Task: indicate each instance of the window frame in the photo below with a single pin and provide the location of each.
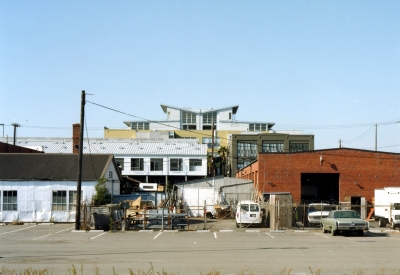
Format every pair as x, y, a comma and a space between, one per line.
194, 163
138, 166
178, 166
10, 200
154, 162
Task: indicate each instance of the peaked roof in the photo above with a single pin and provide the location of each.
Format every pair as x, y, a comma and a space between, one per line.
52, 166
234, 109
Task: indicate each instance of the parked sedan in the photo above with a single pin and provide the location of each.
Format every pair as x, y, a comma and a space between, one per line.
344, 221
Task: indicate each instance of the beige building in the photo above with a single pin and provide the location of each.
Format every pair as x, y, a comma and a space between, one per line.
188, 123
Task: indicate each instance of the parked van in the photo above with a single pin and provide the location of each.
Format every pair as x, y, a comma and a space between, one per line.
248, 213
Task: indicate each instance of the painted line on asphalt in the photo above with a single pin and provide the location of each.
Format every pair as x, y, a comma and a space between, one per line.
17, 230
270, 235
98, 235
157, 235
42, 237
63, 230
215, 235
322, 235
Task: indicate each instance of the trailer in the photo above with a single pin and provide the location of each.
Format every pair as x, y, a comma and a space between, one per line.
387, 206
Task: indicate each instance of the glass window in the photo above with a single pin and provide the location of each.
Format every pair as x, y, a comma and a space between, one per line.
136, 164
208, 141
254, 207
10, 200
176, 165
244, 207
210, 117
72, 200
195, 164
140, 126
188, 118
59, 201
298, 146
257, 127
156, 164
247, 149
272, 146
120, 162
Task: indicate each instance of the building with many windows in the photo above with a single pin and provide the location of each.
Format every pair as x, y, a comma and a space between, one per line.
188, 123
244, 148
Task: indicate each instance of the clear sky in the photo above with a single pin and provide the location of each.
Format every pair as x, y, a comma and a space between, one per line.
330, 68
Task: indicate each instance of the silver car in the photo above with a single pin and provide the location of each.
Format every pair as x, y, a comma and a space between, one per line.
344, 221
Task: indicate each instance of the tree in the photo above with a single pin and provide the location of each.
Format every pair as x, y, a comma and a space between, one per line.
102, 196
223, 153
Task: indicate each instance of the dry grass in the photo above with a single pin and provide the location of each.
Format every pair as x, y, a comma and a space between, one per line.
74, 271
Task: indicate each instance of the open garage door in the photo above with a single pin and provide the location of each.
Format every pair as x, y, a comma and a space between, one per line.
317, 187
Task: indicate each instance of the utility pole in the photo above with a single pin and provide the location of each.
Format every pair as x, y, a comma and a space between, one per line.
340, 143
15, 131
212, 151
80, 155
3, 128
376, 136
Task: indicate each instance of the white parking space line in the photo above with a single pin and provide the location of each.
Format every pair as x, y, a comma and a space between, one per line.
17, 230
42, 237
322, 235
98, 235
270, 235
64, 230
157, 235
215, 235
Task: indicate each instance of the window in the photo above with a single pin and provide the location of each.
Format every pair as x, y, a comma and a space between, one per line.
195, 164
136, 164
242, 163
72, 200
10, 201
140, 126
188, 118
230, 116
189, 127
209, 118
257, 127
156, 164
208, 141
110, 174
176, 165
59, 201
298, 146
272, 146
120, 162
247, 149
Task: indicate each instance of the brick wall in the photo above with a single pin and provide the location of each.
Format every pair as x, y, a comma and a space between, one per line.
360, 172
76, 132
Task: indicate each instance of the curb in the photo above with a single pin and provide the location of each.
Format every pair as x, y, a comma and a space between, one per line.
146, 231
252, 231
170, 231
203, 231
225, 231
84, 231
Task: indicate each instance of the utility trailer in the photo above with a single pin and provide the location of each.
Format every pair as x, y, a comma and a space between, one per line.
387, 206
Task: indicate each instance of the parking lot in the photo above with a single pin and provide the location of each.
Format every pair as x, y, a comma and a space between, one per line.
222, 247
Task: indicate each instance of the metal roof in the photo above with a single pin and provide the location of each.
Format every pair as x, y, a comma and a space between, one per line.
117, 147
32, 166
234, 109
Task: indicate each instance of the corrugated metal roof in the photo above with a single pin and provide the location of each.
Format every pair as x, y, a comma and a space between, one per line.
52, 166
117, 147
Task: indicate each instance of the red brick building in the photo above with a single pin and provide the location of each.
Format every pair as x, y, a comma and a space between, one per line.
334, 175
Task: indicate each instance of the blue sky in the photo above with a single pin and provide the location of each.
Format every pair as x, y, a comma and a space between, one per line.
330, 68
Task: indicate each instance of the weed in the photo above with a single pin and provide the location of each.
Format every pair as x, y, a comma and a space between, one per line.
16, 222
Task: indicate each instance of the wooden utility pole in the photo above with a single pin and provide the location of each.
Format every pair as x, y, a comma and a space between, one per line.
212, 151
80, 155
376, 136
15, 130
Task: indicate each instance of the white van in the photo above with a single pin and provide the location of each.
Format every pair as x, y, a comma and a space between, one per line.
248, 213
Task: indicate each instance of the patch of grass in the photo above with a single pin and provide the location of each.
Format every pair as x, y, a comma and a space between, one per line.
16, 222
